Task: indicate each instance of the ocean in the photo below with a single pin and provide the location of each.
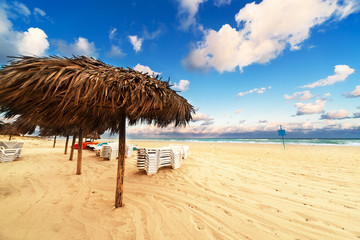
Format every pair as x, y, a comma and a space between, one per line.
292, 141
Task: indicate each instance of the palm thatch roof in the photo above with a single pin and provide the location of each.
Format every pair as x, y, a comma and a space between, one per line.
87, 93
81, 92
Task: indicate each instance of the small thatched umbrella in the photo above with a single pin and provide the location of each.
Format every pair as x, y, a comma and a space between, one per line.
9, 129
89, 94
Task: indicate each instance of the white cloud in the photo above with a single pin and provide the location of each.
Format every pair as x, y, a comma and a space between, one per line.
183, 85
146, 69
206, 119
219, 3
81, 46
112, 33
336, 114
115, 51
310, 108
300, 96
240, 128
5, 23
153, 35
354, 93
31, 42
356, 115
38, 11
187, 12
256, 90
341, 73
136, 42
265, 30
20, 8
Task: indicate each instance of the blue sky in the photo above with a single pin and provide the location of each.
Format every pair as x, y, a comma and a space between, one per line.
247, 67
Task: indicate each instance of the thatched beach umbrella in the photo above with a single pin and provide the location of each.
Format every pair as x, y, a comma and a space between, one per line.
89, 94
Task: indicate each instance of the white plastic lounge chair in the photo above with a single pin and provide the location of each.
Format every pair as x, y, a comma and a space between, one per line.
151, 164
110, 150
9, 155
152, 159
184, 150
11, 144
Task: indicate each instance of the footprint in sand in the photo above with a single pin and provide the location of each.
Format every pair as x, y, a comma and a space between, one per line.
199, 225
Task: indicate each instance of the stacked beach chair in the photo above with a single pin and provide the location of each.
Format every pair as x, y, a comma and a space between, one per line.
10, 150
151, 159
110, 150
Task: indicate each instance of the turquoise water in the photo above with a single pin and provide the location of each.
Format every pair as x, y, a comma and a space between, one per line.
297, 141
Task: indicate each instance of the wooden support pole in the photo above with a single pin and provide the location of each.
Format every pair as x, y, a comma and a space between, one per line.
79, 157
72, 148
54, 141
121, 164
66, 144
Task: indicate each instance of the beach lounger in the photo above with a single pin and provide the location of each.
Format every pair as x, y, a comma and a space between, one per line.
141, 158
184, 150
165, 157
11, 144
151, 159
147, 159
176, 156
9, 155
151, 164
110, 150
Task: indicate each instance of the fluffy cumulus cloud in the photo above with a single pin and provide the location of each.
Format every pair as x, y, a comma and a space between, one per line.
183, 85
255, 90
146, 69
264, 31
340, 75
187, 12
33, 41
81, 46
310, 108
300, 96
136, 42
354, 93
341, 114
204, 118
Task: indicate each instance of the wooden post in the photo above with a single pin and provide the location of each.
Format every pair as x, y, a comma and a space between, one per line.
66, 144
54, 141
79, 157
10, 137
121, 164
72, 148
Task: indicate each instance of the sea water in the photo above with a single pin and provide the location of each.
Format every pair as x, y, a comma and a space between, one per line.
293, 141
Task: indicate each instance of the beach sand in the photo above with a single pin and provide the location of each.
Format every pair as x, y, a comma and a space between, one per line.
222, 191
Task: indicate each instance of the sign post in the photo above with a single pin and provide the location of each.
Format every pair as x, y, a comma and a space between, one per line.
282, 133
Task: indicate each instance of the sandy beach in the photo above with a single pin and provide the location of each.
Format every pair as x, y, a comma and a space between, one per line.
222, 191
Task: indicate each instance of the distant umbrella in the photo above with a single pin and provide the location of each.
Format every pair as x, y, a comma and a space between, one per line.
89, 94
